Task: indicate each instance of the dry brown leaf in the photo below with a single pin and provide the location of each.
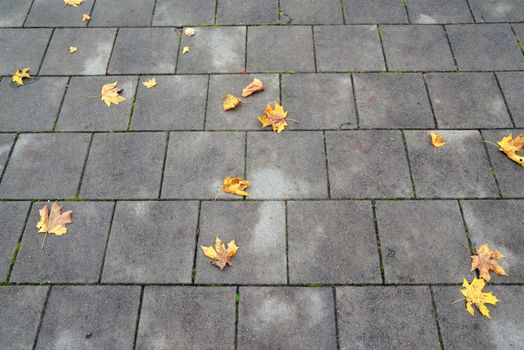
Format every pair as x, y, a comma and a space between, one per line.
54, 222
19, 76
73, 3
235, 185
149, 83
230, 102
85, 17
511, 146
221, 255
111, 94
186, 49
274, 117
255, 86
474, 295
73, 49
485, 260
437, 140
189, 31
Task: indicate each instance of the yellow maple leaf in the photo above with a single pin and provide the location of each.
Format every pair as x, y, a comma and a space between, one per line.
230, 102
255, 86
73, 49
274, 117
221, 255
111, 94
189, 31
474, 295
73, 3
437, 140
85, 17
54, 222
510, 146
19, 76
235, 185
186, 49
485, 260
149, 83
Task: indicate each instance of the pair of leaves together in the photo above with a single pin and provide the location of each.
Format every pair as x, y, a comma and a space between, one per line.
231, 101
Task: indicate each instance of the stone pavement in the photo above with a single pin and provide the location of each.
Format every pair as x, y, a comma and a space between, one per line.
357, 233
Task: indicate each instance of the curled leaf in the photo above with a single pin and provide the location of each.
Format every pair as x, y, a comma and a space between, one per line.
437, 140
485, 260
54, 222
73, 49
85, 17
149, 83
189, 31
230, 102
220, 254
274, 117
19, 76
73, 3
235, 185
510, 146
475, 296
186, 49
111, 94
255, 86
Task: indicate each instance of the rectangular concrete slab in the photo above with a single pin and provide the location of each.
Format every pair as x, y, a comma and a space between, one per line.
22, 48
204, 316
304, 95
75, 257
122, 13
259, 230
175, 103
12, 219
90, 317
512, 85
32, 169
312, 11
422, 241
247, 12
332, 242
14, 12
367, 164
443, 11
497, 11
6, 144
348, 48
49, 13
290, 165
286, 318
374, 11
146, 237
21, 310
198, 162
497, 224
386, 317
124, 166
182, 12
459, 169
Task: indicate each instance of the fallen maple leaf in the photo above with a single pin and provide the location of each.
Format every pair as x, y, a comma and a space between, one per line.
73, 49
255, 86
20, 75
230, 102
510, 146
221, 255
54, 222
73, 3
274, 117
149, 83
189, 31
474, 295
486, 260
235, 185
437, 140
85, 17
186, 49
111, 94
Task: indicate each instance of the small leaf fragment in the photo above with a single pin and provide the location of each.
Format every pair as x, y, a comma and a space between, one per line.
54, 222
255, 86
230, 102
475, 296
186, 49
189, 31
73, 49
486, 260
19, 76
149, 83
274, 117
73, 3
111, 94
437, 140
85, 17
511, 146
235, 185
220, 254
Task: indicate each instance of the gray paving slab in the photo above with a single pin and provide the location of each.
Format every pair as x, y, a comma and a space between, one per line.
75, 257
508, 173
94, 50
444, 11
90, 317
332, 242
312, 11
259, 230
293, 45
497, 11
6, 144
182, 12
467, 100
21, 310
33, 106
411, 252
459, 169
485, 47
83, 110
286, 318
14, 12
462, 331
198, 162
286, 166
367, 164
144, 51
50, 13
32, 169
304, 95
417, 48
22, 48
247, 12
175, 103
122, 13
392, 101
386, 318
12, 218
518, 29
374, 11
512, 85
245, 115
124, 166
496, 223
213, 50
205, 318
147, 237
348, 48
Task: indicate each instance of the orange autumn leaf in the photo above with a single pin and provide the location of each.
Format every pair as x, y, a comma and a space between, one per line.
437, 140
274, 117
235, 185
255, 86
54, 221
220, 254
85, 17
111, 94
511, 146
230, 102
485, 260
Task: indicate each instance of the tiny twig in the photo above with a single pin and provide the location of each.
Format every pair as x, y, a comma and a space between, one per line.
493, 143
93, 96
274, 81
293, 120
218, 195
43, 241
456, 301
